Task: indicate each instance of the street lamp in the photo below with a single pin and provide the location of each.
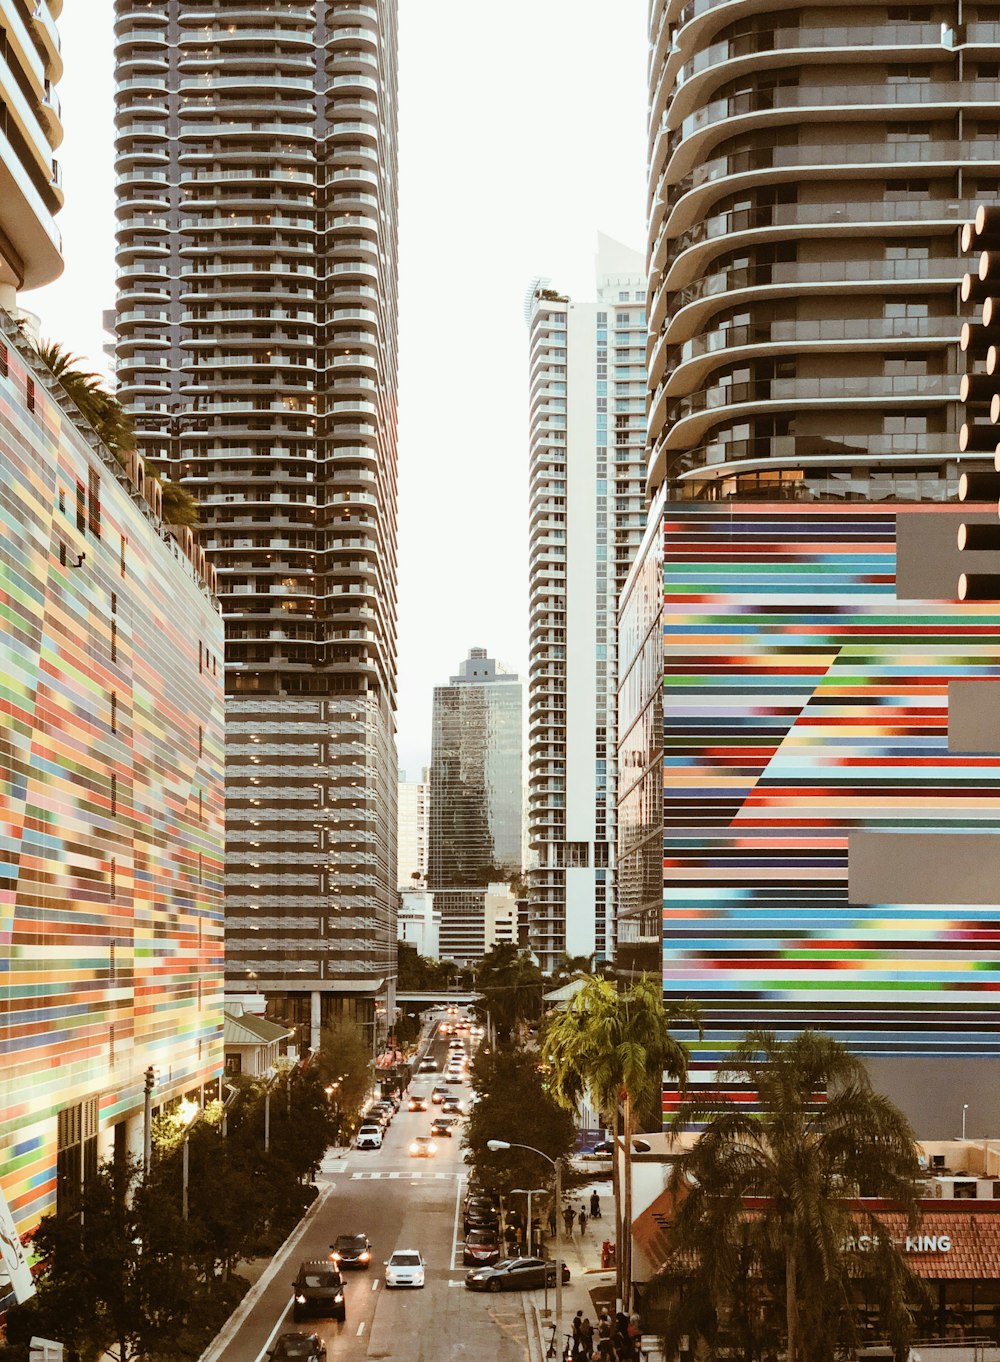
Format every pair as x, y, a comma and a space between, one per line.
149, 1084
529, 1192
190, 1114
268, 1085
496, 1146
965, 1108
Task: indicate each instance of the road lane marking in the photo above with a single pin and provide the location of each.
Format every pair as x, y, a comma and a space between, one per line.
458, 1205
361, 1328
271, 1336
375, 1284
456, 1283
394, 1175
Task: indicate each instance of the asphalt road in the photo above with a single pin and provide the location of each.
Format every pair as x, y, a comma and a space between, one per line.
400, 1202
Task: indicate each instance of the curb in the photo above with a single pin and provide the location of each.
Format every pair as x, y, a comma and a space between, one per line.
235, 1321
533, 1325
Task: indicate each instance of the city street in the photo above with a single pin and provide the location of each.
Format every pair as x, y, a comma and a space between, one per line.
400, 1202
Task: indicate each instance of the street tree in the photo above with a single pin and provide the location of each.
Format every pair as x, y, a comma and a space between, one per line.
515, 1105
345, 1058
511, 985
616, 1047
821, 1140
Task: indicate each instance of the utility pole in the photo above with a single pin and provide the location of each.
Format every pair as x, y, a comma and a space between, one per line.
147, 1120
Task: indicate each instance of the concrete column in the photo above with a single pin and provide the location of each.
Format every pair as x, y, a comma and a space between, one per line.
315, 1018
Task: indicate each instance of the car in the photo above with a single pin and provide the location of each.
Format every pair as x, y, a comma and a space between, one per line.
351, 1250
456, 1045
417, 1102
451, 1079
443, 1125
296, 1347
404, 1268
479, 1214
481, 1248
369, 1136
381, 1111
318, 1289
427, 1066
514, 1274
603, 1147
422, 1147
439, 1093
453, 1106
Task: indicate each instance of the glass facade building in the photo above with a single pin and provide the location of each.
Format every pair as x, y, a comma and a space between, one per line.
111, 800
476, 777
256, 349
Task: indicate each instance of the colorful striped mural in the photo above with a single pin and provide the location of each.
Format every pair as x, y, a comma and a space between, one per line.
804, 704
111, 796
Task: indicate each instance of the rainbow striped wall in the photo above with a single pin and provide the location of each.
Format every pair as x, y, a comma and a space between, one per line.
111, 796
802, 702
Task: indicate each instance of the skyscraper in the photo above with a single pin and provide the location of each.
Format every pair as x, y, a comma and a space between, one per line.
256, 152
587, 470
803, 838
414, 809
476, 788
30, 180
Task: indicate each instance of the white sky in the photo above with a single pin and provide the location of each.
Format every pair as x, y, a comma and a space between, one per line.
522, 132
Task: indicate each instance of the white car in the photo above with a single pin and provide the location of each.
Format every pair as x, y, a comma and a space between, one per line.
405, 1268
369, 1137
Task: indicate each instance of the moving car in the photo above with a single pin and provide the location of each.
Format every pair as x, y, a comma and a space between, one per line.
369, 1136
422, 1147
443, 1125
296, 1347
439, 1093
351, 1250
453, 1106
405, 1268
417, 1102
427, 1066
318, 1290
514, 1274
481, 1248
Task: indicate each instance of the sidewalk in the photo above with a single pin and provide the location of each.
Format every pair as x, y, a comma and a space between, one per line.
589, 1289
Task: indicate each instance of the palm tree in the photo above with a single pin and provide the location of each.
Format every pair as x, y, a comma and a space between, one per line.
180, 507
569, 967
98, 406
617, 1046
819, 1139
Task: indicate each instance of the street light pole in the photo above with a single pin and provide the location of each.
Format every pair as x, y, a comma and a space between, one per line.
147, 1120
496, 1146
190, 1114
965, 1108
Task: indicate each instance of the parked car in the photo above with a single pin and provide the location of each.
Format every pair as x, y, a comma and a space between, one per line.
352, 1250
369, 1136
479, 1214
514, 1274
296, 1347
404, 1268
422, 1147
482, 1248
382, 1112
603, 1147
318, 1289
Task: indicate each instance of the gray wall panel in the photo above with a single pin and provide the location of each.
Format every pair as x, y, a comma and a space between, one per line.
923, 867
928, 560
974, 717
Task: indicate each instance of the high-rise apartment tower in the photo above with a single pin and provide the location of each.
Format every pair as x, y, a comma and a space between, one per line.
587, 513
256, 156
30, 180
807, 834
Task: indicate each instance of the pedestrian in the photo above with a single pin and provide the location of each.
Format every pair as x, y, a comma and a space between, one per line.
595, 1206
552, 1220
577, 1337
587, 1338
582, 1221
604, 1345
568, 1219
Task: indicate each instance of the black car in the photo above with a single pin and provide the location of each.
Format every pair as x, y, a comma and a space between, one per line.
317, 1290
443, 1125
352, 1250
295, 1347
603, 1147
514, 1274
479, 1214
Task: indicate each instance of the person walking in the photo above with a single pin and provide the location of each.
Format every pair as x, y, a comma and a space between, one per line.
582, 1221
577, 1336
552, 1221
587, 1338
595, 1206
568, 1219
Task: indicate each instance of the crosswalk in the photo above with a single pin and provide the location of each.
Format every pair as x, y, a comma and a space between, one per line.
415, 1174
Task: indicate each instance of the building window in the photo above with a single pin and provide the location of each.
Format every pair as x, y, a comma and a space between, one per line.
81, 507
30, 393
94, 503
123, 556
76, 1153
4, 361
114, 641
114, 794
114, 711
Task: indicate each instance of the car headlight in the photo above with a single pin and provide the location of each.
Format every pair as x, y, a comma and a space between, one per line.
414, 1148
363, 1257
432, 1147
300, 1300
339, 1299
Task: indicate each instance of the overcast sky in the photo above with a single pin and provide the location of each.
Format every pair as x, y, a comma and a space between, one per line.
522, 133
